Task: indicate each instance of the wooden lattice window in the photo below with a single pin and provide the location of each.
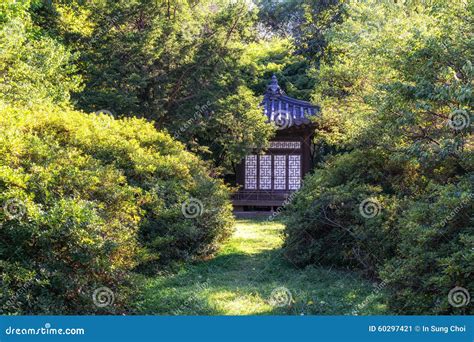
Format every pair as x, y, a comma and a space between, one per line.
251, 172
279, 172
265, 172
294, 171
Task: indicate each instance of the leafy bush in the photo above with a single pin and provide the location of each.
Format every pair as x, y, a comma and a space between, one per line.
435, 253
86, 198
34, 68
400, 101
342, 216
420, 247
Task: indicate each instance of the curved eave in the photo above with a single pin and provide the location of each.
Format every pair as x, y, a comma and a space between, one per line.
297, 111
296, 101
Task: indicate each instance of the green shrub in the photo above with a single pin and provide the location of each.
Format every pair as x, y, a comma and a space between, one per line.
393, 94
419, 244
86, 198
34, 67
330, 221
435, 253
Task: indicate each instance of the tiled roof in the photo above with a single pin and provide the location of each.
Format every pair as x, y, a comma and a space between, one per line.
277, 106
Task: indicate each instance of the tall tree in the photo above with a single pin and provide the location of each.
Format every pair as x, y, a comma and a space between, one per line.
174, 62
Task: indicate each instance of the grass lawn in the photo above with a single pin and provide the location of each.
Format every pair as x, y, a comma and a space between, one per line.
251, 276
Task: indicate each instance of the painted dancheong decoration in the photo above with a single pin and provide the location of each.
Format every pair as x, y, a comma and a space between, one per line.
266, 180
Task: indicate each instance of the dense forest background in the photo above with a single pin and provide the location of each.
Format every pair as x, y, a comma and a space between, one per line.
115, 114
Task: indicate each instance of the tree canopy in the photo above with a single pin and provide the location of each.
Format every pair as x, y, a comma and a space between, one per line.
159, 99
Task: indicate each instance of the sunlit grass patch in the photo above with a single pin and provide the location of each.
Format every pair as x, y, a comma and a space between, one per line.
241, 280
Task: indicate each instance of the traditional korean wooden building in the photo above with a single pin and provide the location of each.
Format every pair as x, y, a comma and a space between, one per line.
267, 180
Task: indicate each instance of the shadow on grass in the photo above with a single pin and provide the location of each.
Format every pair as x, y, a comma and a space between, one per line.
241, 284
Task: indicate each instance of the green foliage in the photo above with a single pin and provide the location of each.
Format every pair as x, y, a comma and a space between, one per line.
89, 190
396, 91
277, 56
94, 197
165, 61
279, 17
434, 252
304, 21
34, 68
226, 130
328, 227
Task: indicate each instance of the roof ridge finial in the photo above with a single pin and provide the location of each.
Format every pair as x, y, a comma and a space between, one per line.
274, 80
274, 87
